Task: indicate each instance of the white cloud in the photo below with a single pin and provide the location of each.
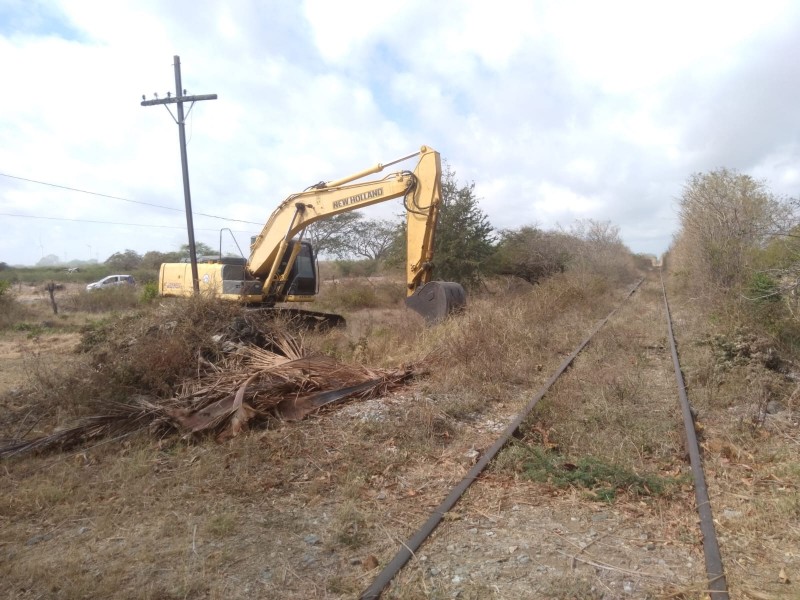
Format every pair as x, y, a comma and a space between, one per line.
559, 201
342, 28
625, 46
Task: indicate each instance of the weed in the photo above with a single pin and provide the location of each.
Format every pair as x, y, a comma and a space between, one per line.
32, 329
604, 480
222, 525
350, 526
340, 585
49, 494
54, 387
462, 407
763, 288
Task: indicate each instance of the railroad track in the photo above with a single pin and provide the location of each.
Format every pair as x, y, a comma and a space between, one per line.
716, 581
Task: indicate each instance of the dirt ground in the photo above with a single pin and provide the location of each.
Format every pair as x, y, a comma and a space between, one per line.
315, 509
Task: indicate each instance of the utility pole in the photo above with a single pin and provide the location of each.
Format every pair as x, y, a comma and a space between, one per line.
179, 99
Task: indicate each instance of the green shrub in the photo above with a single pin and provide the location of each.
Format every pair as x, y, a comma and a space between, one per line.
32, 329
145, 276
763, 288
356, 268
603, 480
149, 292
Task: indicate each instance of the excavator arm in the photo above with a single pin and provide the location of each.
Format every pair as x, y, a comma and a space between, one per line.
273, 252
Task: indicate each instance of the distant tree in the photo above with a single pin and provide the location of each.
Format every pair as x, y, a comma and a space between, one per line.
599, 248
374, 239
3, 266
200, 249
533, 254
349, 235
463, 241
153, 259
356, 268
333, 236
50, 260
464, 236
124, 261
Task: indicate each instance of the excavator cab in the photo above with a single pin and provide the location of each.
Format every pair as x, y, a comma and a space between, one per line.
434, 300
302, 277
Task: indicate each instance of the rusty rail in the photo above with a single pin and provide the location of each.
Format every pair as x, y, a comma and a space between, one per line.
407, 549
718, 586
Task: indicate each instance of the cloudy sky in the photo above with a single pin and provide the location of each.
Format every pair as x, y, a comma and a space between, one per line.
555, 110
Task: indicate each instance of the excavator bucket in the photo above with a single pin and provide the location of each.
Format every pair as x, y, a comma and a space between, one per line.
437, 299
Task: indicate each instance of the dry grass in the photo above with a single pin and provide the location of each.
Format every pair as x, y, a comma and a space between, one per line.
296, 510
751, 455
507, 340
114, 299
351, 294
12, 312
619, 401
611, 431
620, 396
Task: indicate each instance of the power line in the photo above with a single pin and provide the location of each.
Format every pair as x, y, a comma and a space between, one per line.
72, 189
64, 187
104, 222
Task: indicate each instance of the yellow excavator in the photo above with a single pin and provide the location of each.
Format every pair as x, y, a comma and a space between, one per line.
282, 266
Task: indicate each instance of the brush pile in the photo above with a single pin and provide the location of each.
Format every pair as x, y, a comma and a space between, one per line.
229, 370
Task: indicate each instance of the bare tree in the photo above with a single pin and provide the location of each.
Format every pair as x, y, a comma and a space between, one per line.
599, 248
334, 236
373, 239
725, 216
533, 254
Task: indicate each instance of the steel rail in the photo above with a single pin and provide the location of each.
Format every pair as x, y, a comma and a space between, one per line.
407, 549
718, 586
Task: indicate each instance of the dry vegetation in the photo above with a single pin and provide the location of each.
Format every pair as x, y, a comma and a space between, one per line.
732, 269
746, 397
313, 508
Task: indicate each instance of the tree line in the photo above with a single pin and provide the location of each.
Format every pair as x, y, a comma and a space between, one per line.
736, 236
738, 250
467, 247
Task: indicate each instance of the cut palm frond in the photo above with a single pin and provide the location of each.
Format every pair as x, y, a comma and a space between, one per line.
248, 386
